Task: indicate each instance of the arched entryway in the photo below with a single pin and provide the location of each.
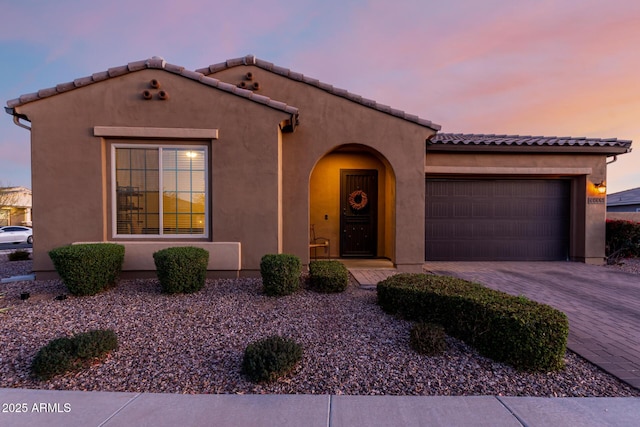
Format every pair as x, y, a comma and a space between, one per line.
352, 203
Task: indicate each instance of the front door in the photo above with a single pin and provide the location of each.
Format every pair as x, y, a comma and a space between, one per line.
358, 212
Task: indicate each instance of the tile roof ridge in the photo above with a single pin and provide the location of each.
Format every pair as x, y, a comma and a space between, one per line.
286, 72
155, 62
451, 135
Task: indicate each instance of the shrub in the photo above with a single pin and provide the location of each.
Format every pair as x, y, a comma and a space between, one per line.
267, 359
510, 329
87, 269
95, 343
18, 255
428, 339
280, 274
62, 355
622, 240
181, 269
55, 358
328, 276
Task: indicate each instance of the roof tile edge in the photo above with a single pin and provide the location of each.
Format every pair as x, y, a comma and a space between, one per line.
493, 139
268, 66
151, 63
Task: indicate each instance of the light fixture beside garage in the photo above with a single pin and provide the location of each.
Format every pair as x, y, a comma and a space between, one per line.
601, 187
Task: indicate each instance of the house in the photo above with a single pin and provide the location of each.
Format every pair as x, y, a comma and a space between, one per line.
624, 201
624, 205
15, 206
243, 156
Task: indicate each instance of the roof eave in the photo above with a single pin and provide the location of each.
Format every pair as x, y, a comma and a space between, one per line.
12, 112
626, 203
609, 151
251, 60
154, 63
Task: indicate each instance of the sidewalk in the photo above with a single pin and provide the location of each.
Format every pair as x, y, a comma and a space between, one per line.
77, 408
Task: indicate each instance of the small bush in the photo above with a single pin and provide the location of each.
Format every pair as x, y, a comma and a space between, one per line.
87, 269
19, 255
328, 276
92, 344
267, 359
622, 240
528, 335
428, 339
280, 274
62, 355
181, 269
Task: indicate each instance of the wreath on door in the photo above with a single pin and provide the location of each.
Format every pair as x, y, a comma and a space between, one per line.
358, 200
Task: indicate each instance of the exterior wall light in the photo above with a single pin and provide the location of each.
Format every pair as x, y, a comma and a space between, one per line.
601, 187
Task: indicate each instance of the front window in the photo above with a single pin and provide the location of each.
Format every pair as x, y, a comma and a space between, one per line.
160, 191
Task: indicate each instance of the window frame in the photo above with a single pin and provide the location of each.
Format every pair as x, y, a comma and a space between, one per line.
161, 235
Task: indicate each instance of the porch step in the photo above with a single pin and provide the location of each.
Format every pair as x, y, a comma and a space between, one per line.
369, 278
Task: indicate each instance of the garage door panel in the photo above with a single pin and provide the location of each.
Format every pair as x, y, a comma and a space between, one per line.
497, 219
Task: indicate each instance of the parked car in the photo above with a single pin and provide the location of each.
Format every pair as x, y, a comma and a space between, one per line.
16, 234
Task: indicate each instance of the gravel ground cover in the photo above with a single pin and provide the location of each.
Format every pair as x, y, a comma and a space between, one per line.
630, 265
194, 344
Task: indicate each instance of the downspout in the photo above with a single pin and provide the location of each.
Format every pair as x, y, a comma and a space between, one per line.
16, 120
16, 117
615, 157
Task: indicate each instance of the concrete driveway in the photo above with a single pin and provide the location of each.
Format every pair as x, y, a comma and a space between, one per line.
602, 304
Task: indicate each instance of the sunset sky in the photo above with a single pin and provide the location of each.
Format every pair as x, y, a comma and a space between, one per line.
527, 67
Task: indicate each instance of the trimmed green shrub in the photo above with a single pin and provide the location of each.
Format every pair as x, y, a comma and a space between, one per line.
280, 274
18, 255
622, 240
181, 269
328, 276
528, 335
62, 355
55, 358
428, 339
95, 343
270, 358
87, 269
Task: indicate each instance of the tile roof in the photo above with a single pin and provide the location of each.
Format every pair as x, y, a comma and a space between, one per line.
152, 63
252, 60
626, 197
479, 140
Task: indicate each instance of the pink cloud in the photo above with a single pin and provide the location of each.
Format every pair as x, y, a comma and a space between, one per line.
532, 66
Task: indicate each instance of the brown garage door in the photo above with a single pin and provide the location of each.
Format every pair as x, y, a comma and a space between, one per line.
495, 220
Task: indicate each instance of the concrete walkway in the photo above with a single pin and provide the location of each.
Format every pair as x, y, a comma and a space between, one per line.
603, 305
76, 408
368, 272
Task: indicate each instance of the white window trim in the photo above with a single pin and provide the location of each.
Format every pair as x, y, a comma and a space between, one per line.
114, 196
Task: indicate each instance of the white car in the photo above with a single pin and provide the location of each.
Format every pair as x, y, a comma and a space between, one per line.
16, 234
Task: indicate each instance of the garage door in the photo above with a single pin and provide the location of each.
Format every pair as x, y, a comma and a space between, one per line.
495, 220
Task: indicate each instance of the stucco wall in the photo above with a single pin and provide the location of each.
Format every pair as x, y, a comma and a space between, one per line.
626, 216
588, 211
327, 122
71, 170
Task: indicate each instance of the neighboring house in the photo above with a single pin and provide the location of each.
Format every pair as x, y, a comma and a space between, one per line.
15, 206
242, 157
624, 205
624, 201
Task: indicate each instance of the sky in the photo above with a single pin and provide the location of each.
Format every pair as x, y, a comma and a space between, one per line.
525, 67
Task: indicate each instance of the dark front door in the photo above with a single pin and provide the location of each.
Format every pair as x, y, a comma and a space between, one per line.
359, 212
